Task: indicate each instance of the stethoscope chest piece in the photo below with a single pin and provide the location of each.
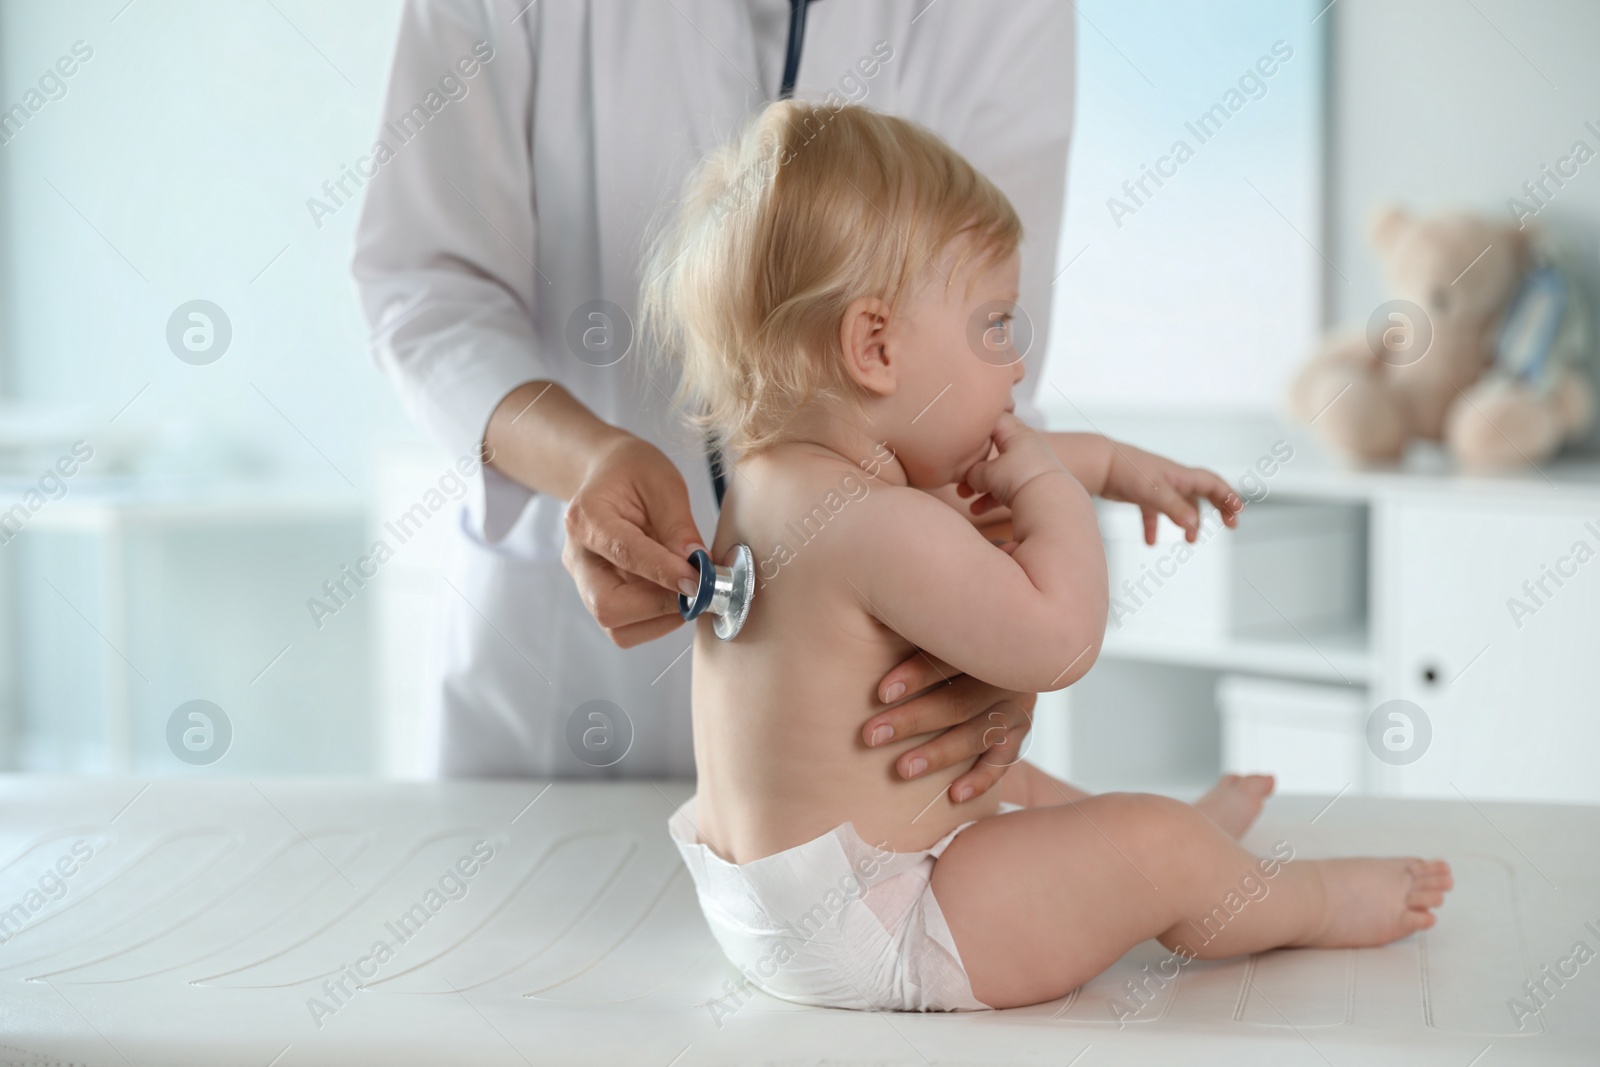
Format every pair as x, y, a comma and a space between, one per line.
725, 591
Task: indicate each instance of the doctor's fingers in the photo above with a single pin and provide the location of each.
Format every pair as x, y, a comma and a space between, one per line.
649, 630
994, 737
596, 524
968, 716
912, 675
621, 602
999, 758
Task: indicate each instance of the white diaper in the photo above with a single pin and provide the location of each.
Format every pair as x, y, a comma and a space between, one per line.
834, 922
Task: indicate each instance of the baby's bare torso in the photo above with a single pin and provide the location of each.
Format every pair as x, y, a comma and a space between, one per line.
778, 711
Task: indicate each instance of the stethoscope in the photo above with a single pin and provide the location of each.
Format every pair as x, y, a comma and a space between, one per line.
726, 590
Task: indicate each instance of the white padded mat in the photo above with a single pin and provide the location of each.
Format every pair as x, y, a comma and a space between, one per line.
210, 921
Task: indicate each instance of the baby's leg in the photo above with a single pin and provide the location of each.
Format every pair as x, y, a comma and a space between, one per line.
1233, 803
1042, 900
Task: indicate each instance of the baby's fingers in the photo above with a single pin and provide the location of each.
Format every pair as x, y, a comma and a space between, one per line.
1208, 485
1152, 519
978, 478
1176, 508
1007, 428
1227, 502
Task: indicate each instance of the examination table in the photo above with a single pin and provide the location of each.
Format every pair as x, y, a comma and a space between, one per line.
212, 921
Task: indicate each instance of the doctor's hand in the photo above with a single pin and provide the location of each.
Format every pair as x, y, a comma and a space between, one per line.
975, 718
629, 535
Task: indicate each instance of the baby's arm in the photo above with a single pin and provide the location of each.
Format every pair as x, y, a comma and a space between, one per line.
1028, 621
1085, 455
1118, 471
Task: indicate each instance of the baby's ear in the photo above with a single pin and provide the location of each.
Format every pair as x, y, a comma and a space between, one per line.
863, 344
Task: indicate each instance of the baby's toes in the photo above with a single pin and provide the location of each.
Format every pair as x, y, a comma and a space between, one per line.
1432, 875
1415, 919
1424, 898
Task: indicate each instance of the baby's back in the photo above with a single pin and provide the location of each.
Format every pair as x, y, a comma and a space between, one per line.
778, 711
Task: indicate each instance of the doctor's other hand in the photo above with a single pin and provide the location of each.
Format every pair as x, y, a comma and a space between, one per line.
630, 532
975, 721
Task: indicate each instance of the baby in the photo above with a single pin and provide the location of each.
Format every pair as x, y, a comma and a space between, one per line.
835, 294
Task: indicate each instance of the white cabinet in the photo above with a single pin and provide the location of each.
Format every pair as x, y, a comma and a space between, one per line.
1309, 735
1475, 602
1489, 621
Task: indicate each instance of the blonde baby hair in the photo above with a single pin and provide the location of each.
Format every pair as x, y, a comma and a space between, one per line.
777, 232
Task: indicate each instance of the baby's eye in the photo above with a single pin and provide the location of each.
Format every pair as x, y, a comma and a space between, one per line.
997, 334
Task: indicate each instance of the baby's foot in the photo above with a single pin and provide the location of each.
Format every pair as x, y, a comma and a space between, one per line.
1235, 801
1376, 901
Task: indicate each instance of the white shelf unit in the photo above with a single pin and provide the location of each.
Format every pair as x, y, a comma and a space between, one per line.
1509, 695
1340, 655
116, 512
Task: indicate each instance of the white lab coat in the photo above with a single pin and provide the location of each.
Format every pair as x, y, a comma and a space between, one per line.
530, 195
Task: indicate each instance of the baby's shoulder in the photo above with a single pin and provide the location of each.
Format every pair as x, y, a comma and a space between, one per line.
787, 495
800, 481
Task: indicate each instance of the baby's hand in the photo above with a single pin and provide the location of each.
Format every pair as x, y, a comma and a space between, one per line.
1024, 454
1161, 487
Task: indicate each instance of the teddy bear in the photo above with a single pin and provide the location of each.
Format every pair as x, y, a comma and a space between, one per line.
1485, 348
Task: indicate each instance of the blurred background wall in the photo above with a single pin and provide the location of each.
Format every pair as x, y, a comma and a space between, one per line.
175, 165
1443, 103
1195, 291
